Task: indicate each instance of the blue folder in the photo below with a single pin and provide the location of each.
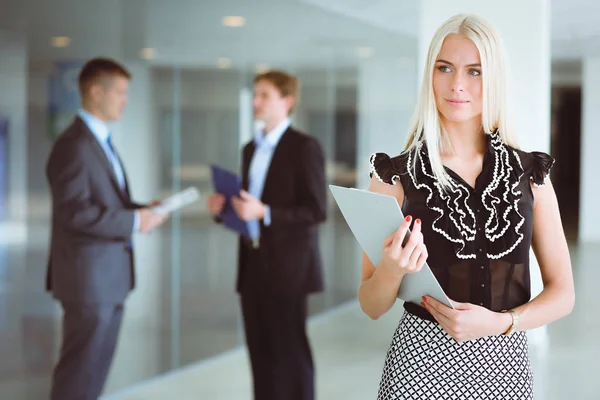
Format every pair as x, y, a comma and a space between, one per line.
229, 184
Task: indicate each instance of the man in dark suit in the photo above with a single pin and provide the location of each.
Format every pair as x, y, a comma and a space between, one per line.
90, 267
284, 200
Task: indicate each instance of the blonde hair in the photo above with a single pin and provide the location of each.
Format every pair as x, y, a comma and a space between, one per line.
427, 126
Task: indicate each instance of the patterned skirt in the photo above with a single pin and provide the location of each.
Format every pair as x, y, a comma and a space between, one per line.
425, 363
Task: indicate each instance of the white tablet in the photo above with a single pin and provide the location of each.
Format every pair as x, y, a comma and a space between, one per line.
372, 217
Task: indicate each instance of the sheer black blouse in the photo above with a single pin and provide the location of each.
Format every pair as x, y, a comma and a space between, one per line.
478, 238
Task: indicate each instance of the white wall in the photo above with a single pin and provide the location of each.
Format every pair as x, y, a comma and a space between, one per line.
387, 94
589, 212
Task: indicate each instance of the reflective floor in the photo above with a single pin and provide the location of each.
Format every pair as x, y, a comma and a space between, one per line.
350, 349
184, 308
180, 316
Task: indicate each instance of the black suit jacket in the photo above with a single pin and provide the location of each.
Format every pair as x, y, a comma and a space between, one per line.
295, 190
91, 260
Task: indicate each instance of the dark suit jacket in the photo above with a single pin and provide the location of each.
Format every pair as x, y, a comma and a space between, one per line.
295, 190
91, 260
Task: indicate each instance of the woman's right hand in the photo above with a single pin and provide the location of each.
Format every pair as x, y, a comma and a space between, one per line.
398, 260
215, 203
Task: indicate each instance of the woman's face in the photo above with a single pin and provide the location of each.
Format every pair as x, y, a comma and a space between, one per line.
457, 83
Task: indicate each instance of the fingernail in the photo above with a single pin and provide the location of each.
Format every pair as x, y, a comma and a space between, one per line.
418, 221
408, 218
423, 304
424, 298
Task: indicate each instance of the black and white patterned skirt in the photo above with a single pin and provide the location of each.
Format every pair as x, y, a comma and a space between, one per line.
424, 362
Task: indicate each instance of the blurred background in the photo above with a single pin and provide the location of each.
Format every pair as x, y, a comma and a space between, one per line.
193, 62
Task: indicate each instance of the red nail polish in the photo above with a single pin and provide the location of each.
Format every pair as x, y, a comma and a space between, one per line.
423, 304
408, 218
424, 298
418, 221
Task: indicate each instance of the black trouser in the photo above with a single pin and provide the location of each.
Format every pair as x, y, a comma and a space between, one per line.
89, 338
280, 354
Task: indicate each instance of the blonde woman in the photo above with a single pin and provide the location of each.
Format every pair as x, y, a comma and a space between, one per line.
475, 204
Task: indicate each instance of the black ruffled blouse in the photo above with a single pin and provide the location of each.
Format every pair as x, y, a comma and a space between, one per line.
478, 238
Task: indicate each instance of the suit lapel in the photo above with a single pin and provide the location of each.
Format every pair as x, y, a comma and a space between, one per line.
279, 158
126, 181
102, 157
247, 160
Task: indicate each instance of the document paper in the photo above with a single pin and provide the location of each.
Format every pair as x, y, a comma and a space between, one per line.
177, 201
372, 217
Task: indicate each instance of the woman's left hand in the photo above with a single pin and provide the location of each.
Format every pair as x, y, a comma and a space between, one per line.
467, 321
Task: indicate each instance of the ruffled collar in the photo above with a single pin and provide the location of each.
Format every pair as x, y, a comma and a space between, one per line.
456, 220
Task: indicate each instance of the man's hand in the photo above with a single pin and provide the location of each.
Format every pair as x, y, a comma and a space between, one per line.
248, 207
154, 203
150, 219
215, 204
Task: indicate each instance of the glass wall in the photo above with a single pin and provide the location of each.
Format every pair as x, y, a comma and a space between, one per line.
193, 63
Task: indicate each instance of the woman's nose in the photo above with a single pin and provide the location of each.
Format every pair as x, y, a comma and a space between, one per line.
457, 83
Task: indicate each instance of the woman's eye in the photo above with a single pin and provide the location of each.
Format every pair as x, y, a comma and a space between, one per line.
475, 72
444, 68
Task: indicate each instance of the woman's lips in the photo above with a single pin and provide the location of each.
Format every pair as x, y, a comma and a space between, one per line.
457, 102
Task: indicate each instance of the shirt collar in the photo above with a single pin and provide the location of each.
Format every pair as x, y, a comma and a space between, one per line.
274, 136
98, 127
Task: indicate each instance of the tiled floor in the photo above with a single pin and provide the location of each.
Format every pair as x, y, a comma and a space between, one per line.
349, 352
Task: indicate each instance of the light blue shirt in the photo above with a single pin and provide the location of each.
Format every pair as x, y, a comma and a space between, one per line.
259, 166
100, 130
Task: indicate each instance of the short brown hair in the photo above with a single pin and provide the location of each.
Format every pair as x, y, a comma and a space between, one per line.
98, 68
286, 84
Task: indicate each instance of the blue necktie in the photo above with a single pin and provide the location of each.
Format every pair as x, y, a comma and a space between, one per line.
114, 161
116, 164
109, 143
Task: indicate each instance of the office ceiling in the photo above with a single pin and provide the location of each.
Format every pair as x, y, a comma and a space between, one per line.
575, 24
290, 33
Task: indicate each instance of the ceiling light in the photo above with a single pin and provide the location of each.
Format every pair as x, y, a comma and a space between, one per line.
223, 63
147, 53
365, 52
61, 41
234, 21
